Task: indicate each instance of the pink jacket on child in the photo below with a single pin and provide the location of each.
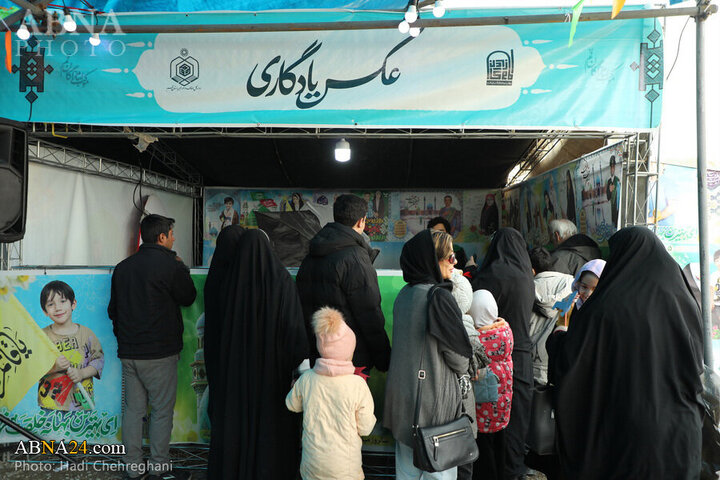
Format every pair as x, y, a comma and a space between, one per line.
498, 342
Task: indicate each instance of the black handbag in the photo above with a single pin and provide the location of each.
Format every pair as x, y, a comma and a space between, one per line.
440, 447
445, 446
541, 432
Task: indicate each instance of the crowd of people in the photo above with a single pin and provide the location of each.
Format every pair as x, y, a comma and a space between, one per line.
620, 342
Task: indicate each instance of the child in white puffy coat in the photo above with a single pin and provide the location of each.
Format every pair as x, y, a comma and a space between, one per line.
337, 405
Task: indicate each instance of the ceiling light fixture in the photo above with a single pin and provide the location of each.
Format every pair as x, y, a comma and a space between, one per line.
342, 151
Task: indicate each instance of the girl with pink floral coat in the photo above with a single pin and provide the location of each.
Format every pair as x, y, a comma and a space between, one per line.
493, 417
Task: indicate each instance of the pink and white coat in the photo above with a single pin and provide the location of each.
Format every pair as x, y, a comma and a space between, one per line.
498, 342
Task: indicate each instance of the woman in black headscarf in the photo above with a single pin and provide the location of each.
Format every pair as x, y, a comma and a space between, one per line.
255, 337
490, 216
507, 273
628, 370
425, 311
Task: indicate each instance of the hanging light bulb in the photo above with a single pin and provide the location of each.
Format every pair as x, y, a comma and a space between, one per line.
94, 40
23, 33
411, 13
69, 24
404, 26
342, 151
438, 9
414, 31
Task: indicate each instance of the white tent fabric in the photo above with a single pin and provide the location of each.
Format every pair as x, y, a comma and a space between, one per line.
80, 219
678, 124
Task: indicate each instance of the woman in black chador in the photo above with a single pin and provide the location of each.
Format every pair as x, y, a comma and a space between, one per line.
254, 339
628, 370
490, 217
507, 273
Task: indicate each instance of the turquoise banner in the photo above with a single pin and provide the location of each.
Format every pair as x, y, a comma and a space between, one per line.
519, 76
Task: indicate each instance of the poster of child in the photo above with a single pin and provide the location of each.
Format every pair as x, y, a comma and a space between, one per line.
68, 386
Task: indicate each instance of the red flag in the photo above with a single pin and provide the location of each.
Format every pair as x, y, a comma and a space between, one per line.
8, 51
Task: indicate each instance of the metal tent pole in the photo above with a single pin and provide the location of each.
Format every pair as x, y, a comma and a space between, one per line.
703, 232
635, 179
370, 24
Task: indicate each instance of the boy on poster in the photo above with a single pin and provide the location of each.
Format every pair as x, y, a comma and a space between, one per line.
81, 356
229, 216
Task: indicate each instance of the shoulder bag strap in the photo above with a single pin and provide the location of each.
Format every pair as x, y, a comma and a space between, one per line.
421, 372
421, 377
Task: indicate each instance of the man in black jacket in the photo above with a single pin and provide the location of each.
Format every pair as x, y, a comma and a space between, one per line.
573, 249
146, 293
338, 272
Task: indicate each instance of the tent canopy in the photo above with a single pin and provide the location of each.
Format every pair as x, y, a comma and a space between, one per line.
249, 5
242, 5
308, 162
499, 77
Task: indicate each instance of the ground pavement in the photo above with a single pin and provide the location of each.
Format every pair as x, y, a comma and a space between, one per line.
96, 467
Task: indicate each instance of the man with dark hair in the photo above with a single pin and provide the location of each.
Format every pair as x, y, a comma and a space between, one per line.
541, 260
338, 273
550, 287
441, 224
146, 293
153, 226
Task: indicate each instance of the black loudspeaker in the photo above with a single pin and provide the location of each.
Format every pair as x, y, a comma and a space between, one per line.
13, 181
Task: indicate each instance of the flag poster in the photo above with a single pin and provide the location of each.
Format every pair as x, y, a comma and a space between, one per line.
41, 397
26, 353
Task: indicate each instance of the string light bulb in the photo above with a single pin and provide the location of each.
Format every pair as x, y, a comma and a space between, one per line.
438, 9
404, 26
94, 40
23, 33
414, 31
69, 23
411, 13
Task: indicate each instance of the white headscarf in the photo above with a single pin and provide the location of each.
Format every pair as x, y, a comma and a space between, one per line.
484, 309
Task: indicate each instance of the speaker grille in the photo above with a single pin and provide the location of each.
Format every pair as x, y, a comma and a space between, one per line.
13, 182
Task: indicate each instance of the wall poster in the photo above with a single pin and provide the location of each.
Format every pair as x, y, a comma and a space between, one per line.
586, 191
393, 217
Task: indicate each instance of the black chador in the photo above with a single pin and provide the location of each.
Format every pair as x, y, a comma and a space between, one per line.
628, 370
254, 339
507, 273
